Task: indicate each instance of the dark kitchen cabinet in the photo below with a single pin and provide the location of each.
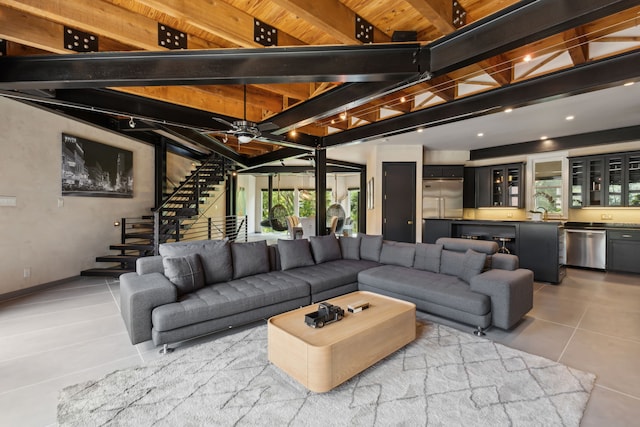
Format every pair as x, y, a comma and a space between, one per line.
442, 171
469, 188
433, 229
539, 250
605, 180
500, 186
623, 247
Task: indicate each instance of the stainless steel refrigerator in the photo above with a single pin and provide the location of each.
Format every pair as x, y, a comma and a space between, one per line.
442, 198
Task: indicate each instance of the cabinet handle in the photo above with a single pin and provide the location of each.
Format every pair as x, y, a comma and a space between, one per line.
626, 236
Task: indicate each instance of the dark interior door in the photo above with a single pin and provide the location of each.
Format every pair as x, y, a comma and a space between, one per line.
399, 201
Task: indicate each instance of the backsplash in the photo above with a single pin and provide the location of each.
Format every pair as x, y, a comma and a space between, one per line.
613, 215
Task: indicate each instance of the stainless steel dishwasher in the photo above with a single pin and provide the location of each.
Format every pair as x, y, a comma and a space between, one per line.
586, 248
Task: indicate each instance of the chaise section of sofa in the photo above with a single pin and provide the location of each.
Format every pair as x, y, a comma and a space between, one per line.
459, 279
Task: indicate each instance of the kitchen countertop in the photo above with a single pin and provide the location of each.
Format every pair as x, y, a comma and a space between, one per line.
600, 225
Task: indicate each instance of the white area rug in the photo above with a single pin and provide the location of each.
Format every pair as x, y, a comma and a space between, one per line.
444, 378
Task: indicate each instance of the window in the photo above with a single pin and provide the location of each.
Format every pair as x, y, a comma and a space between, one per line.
307, 201
283, 197
549, 180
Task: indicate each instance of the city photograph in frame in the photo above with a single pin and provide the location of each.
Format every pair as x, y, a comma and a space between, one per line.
93, 169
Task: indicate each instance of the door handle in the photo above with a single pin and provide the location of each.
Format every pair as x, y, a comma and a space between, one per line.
410, 222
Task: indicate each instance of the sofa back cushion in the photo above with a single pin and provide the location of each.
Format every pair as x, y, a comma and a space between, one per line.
428, 257
370, 247
185, 272
462, 265
294, 253
249, 258
397, 253
215, 256
350, 247
461, 245
325, 248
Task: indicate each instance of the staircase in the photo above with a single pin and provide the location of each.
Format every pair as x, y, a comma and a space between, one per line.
174, 220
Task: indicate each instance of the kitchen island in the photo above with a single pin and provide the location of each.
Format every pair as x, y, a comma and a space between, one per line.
539, 245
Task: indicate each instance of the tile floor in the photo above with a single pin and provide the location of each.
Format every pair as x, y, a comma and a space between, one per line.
73, 333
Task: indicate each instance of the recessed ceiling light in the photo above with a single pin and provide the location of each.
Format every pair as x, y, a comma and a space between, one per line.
419, 130
293, 132
508, 110
544, 137
628, 84
569, 118
527, 58
403, 99
480, 134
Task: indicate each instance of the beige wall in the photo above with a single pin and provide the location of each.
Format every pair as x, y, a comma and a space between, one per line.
56, 237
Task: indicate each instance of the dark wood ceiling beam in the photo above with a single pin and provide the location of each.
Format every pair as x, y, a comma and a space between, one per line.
42, 34
283, 153
330, 103
438, 12
366, 63
580, 79
525, 22
332, 17
96, 17
577, 45
219, 18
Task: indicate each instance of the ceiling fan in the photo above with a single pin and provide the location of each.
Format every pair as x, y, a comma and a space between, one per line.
246, 131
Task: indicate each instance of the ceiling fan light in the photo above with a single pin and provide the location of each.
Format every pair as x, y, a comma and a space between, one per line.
243, 139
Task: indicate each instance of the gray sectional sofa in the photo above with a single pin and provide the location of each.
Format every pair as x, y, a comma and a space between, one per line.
195, 288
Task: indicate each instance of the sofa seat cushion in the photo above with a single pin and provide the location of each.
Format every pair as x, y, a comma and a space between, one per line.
442, 289
228, 298
332, 274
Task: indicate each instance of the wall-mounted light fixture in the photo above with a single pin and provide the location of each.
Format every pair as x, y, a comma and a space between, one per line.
116, 223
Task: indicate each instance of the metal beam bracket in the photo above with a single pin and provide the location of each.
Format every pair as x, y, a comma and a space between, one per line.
171, 38
264, 33
459, 15
80, 41
364, 30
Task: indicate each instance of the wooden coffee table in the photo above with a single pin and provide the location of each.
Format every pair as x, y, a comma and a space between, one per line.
323, 358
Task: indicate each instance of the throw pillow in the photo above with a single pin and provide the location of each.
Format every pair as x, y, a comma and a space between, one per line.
472, 265
398, 253
370, 247
428, 257
184, 272
350, 247
249, 258
215, 256
451, 262
294, 253
325, 248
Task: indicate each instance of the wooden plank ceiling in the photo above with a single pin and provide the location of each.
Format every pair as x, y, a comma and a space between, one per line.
37, 26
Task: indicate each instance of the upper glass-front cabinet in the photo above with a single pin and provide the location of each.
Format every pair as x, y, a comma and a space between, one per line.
611, 180
506, 185
633, 179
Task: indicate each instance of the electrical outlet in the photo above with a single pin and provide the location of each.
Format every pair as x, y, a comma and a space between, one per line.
606, 216
27, 272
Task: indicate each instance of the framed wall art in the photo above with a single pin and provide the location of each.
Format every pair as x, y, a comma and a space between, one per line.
93, 169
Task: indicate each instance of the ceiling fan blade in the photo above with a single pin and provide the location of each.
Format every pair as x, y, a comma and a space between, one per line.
224, 122
267, 126
272, 137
